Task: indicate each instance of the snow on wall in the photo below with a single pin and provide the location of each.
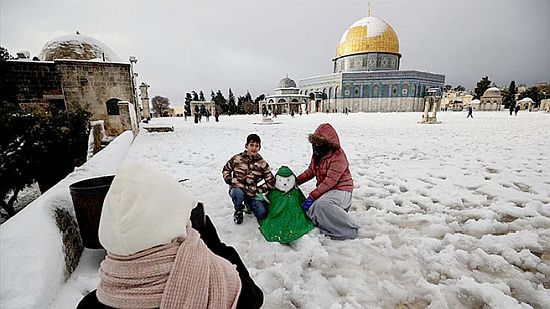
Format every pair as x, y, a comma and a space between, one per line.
32, 261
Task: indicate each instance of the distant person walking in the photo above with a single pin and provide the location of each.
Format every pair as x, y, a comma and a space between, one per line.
516, 110
470, 111
511, 109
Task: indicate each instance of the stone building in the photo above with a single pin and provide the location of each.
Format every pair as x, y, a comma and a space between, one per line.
76, 70
525, 103
455, 100
287, 98
491, 100
366, 74
475, 104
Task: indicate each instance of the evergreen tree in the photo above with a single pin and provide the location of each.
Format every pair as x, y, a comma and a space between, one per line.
231, 103
240, 104
259, 98
459, 88
4, 54
509, 96
481, 86
201, 96
221, 101
40, 145
188, 100
447, 88
195, 96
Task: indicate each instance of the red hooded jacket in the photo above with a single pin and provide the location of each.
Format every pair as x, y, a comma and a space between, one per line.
332, 171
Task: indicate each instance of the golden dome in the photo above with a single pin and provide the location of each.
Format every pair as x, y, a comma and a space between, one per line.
368, 35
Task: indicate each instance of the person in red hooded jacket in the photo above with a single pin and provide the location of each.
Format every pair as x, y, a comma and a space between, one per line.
328, 204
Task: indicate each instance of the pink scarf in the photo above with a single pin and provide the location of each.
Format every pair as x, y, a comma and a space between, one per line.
176, 275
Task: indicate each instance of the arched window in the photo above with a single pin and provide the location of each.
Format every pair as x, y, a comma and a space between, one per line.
346, 91
375, 91
356, 91
330, 92
336, 92
112, 107
281, 101
386, 92
394, 91
294, 101
270, 101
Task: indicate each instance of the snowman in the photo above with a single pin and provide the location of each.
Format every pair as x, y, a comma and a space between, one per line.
285, 221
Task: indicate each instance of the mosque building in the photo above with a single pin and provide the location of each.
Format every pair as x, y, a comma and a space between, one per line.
366, 75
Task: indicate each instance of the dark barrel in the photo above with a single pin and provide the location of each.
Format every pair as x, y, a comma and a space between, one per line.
88, 196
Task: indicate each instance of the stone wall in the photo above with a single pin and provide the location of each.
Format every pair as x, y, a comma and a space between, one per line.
410, 104
92, 84
68, 83
30, 82
34, 251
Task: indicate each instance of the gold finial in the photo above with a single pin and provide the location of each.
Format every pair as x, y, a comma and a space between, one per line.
369, 9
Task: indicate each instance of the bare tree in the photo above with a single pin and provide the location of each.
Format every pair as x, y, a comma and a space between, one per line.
161, 106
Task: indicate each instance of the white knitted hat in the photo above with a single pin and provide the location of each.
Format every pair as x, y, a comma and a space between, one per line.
144, 208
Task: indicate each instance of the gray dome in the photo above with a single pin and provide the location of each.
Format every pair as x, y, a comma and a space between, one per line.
287, 83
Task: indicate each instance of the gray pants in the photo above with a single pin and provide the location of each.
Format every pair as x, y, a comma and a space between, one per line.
330, 214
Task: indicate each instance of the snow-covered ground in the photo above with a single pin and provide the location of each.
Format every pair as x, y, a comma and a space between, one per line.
453, 215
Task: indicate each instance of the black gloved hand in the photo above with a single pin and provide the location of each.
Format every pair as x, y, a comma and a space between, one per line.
228, 180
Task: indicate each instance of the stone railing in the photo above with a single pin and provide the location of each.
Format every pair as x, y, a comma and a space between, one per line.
40, 246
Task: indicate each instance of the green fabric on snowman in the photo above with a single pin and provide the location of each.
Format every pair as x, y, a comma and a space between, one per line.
285, 221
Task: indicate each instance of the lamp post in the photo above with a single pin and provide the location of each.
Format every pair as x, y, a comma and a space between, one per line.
133, 60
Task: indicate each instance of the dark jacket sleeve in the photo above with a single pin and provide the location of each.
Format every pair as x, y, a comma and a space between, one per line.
307, 174
336, 167
251, 295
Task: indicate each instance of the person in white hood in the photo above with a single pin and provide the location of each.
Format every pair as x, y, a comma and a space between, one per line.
156, 258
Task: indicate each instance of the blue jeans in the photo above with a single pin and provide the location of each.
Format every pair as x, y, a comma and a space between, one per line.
258, 208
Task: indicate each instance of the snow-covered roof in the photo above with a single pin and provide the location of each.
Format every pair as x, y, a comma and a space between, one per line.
528, 100
476, 101
78, 47
375, 27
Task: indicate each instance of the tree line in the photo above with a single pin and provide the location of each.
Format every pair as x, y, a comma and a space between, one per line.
231, 105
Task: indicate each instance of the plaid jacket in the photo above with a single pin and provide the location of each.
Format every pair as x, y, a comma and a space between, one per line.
246, 171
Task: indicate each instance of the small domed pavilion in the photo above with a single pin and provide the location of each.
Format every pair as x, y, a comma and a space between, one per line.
287, 98
491, 100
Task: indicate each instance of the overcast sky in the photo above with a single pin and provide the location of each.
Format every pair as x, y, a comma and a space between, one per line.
250, 45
